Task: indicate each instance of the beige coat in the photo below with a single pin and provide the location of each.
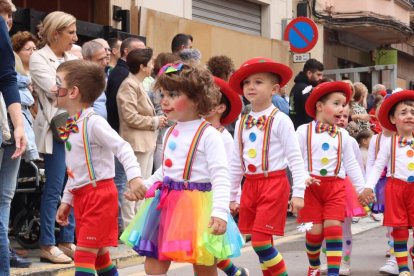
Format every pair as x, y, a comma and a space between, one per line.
138, 122
43, 65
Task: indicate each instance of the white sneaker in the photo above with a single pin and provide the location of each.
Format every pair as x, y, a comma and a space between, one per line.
390, 267
376, 217
345, 268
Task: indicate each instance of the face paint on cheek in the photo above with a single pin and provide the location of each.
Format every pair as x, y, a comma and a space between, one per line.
181, 104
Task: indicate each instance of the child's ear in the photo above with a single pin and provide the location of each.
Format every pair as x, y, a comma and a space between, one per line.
74, 93
221, 108
275, 88
392, 119
319, 106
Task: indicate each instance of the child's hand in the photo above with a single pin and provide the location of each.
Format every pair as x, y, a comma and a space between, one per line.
367, 196
136, 190
312, 180
63, 214
296, 203
217, 225
234, 208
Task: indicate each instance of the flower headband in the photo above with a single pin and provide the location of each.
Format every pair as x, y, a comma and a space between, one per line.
170, 68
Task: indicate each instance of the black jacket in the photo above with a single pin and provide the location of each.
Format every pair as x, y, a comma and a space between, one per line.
297, 101
116, 77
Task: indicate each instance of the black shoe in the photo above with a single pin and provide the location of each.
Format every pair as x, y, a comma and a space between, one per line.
17, 261
244, 271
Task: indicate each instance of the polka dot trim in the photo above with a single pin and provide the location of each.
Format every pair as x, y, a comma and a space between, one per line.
252, 168
168, 163
175, 132
410, 178
252, 153
323, 172
252, 137
325, 161
172, 145
325, 146
410, 153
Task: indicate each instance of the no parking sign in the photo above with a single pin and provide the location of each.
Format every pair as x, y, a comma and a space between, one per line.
302, 34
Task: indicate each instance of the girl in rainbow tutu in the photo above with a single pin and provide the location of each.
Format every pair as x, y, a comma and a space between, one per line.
186, 215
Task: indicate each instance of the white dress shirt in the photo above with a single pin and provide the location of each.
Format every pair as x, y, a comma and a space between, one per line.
104, 143
372, 150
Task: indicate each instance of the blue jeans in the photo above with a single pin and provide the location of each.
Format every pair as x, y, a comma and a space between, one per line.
55, 169
120, 182
9, 169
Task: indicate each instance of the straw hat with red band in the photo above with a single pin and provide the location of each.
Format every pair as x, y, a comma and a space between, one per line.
388, 103
259, 65
234, 99
325, 89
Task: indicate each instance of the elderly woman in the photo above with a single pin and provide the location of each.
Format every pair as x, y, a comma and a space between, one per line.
358, 104
138, 122
24, 44
58, 34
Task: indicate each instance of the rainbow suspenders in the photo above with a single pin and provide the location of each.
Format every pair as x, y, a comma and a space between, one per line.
309, 150
266, 141
87, 150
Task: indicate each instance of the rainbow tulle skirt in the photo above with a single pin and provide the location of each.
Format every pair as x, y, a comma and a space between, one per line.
353, 207
173, 225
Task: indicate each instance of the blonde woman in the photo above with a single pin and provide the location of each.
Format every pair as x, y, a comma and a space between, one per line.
359, 114
58, 34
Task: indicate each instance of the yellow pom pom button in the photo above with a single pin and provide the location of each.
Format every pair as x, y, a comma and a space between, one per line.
411, 166
252, 153
325, 161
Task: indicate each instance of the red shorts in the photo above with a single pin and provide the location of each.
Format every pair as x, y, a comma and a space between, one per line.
399, 203
323, 202
263, 203
96, 214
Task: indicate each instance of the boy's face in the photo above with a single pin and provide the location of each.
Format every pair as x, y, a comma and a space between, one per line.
331, 110
259, 88
403, 118
344, 120
60, 91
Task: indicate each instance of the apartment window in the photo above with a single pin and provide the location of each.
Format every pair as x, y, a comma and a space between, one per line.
237, 15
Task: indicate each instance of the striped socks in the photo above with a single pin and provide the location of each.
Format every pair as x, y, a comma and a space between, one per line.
313, 249
333, 238
104, 265
84, 263
228, 267
269, 257
400, 248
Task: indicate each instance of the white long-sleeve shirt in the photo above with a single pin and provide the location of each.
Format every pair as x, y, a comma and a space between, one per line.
283, 146
104, 143
228, 143
404, 163
371, 150
210, 164
358, 154
324, 155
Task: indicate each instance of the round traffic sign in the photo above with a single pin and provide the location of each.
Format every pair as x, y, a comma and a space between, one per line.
302, 34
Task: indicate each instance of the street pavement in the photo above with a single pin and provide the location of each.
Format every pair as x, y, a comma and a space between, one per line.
369, 246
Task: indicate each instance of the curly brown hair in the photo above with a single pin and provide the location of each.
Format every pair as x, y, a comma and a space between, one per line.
221, 67
20, 39
195, 82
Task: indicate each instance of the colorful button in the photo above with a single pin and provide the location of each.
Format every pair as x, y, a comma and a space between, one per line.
68, 146
252, 168
252, 153
175, 132
172, 145
410, 153
411, 166
323, 172
410, 178
252, 137
70, 173
168, 163
325, 161
325, 146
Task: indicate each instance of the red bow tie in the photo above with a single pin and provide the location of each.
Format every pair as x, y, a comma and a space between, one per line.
71, 127
322, 127
251, 121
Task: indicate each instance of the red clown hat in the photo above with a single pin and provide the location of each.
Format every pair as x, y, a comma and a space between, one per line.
324, 89
234, 99
388, 103
259, 65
